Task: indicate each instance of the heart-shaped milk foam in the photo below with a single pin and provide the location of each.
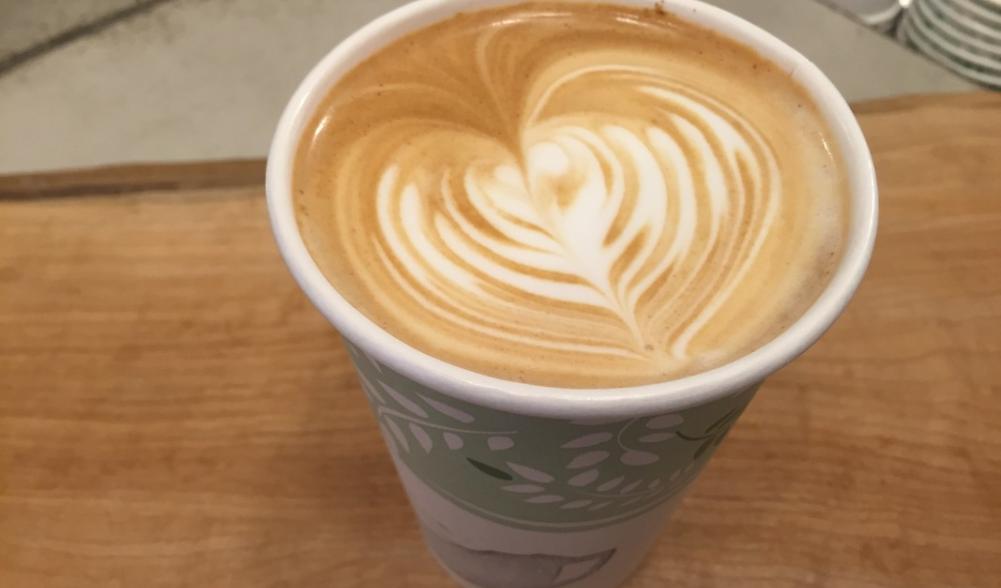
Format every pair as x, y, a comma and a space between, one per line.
622, 235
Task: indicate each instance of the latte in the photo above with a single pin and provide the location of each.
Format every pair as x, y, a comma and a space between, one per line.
578, 195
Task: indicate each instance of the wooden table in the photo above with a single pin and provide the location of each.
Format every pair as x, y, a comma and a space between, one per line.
174, 413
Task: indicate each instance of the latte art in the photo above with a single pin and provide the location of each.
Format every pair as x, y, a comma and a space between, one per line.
572, 194
593, 215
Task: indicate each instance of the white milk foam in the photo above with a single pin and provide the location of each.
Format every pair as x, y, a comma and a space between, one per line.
630, 218
535, 234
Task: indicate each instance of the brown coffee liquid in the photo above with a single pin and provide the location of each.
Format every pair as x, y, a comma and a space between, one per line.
568, 194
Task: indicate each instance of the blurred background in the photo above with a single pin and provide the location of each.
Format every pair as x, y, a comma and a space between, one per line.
91, 82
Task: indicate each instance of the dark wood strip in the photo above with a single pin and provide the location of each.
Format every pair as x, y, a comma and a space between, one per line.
131, 178
966, 100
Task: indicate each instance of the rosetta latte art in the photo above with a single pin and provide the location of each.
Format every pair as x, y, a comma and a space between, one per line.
532, 203
596, 216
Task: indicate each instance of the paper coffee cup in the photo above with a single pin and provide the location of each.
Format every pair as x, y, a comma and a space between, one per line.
532, 486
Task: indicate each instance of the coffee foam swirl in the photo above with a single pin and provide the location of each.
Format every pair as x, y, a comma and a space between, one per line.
596, 216
590, 211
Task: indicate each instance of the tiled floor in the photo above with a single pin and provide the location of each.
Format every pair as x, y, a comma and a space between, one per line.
28, 24
203, 79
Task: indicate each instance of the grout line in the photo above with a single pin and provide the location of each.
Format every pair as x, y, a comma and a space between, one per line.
19, 58
843, 11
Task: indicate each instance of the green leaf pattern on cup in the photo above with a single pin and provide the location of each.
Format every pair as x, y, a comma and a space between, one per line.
541, 473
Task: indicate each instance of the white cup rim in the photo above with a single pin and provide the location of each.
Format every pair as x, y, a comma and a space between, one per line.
549, 401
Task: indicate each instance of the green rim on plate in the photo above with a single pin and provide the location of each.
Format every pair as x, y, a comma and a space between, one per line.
918, 38
939, 28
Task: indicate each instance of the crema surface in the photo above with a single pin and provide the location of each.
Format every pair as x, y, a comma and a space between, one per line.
575, 195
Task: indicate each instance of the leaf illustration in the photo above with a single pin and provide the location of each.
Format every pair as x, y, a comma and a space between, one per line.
452, 440
422, 437
576, 504
405, 402
664, 421
629, 487
490, 470
639, 458
583, 479
523, 488
500, 443
389, 439
589, 440
586, 460
531, 474
545, 499
400, 437
371, 391
610, 485
449, 411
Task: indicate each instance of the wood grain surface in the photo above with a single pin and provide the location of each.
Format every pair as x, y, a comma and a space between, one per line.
174, 413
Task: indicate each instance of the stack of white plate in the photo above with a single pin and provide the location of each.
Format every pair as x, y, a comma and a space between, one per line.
963, 35
879, 14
